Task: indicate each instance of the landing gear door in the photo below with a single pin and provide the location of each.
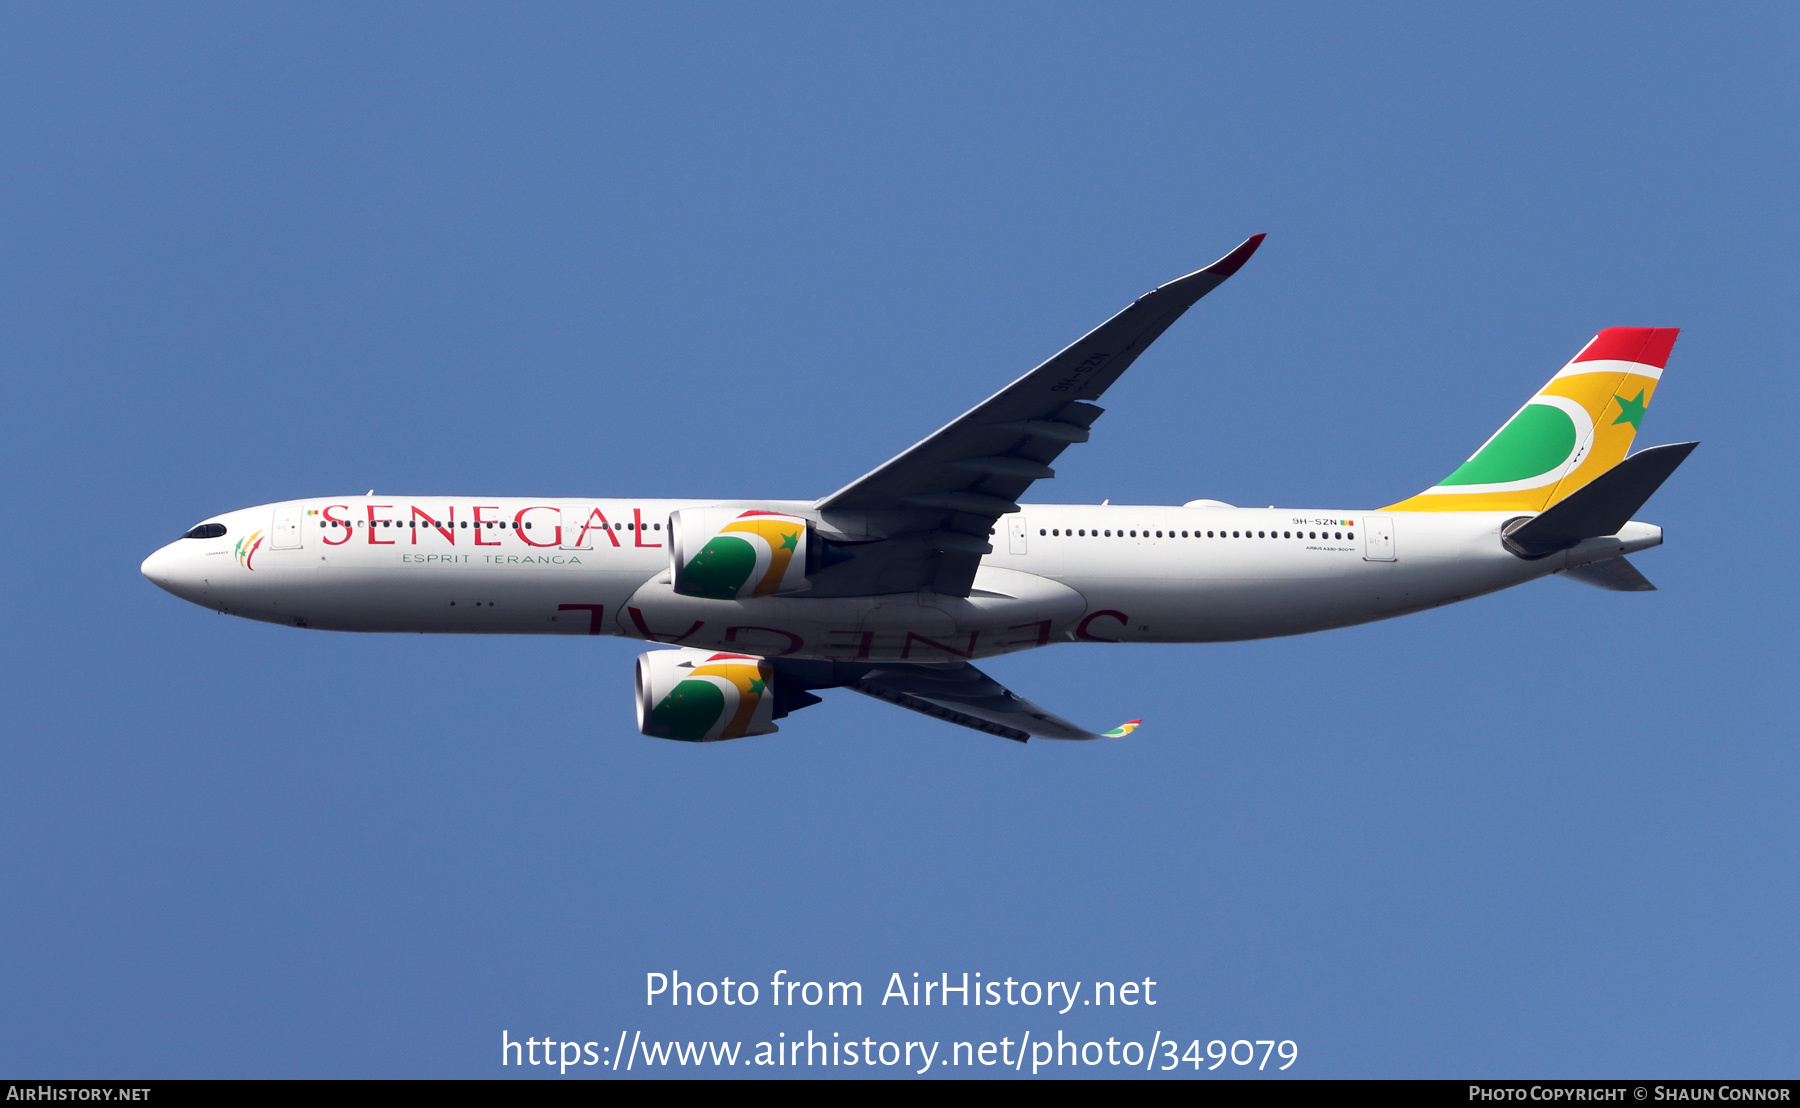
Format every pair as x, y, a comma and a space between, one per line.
284, 530
1378, 539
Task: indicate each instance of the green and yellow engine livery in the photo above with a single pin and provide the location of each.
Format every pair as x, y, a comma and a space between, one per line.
740, 554
701, 696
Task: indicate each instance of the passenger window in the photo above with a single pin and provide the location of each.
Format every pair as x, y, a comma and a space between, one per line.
1351, 534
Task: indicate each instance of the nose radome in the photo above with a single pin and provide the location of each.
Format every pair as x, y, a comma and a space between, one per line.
172, 570
158, 567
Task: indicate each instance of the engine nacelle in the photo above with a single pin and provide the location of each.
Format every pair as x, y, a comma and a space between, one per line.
733, 554
703, 696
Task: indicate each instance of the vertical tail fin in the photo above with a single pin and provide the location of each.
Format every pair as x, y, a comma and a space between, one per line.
1577, 427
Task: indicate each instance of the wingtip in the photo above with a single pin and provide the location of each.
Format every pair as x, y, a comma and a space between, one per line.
1235, 260
1122, 729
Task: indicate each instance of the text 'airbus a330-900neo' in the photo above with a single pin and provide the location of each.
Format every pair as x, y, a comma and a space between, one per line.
897, 583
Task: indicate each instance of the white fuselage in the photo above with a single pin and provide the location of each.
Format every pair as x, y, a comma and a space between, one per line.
1058, 573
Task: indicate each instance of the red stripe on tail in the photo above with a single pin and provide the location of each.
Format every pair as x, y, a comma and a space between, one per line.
1643, 345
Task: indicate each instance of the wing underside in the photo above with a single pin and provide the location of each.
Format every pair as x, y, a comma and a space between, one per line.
955, 692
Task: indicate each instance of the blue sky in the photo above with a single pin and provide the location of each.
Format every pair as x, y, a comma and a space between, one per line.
674, 250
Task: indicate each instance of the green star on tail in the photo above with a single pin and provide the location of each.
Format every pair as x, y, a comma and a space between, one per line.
1631, 411
756, 687
791, 538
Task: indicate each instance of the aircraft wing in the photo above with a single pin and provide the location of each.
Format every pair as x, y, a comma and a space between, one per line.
943, 496
954, 692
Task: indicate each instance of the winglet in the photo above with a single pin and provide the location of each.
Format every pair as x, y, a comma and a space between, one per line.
1131, 725
1235, 260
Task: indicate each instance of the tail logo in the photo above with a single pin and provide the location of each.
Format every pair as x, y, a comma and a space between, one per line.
1631, 411
1541, 443
1566, 435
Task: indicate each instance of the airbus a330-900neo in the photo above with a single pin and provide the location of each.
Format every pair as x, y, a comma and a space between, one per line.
897, 583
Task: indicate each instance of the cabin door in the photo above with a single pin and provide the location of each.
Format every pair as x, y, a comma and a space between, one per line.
1378, 539
576, 532
284, 530
1015, 534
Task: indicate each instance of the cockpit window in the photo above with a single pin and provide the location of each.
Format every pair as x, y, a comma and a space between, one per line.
207, 531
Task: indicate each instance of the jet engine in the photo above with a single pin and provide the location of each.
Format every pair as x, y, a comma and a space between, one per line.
702, 696
732, 554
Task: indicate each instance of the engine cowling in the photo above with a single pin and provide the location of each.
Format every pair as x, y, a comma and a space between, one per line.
733, 554
704, 696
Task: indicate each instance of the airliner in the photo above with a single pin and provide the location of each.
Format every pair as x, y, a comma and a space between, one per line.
895, 585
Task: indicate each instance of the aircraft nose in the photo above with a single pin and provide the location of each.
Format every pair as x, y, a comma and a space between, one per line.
170, 571
158, 568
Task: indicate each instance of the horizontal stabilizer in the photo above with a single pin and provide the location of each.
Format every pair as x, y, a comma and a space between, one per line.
1601, 507
1614, 575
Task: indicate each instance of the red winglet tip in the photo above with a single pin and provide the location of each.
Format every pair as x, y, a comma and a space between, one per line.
1235, 260
1643, 345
